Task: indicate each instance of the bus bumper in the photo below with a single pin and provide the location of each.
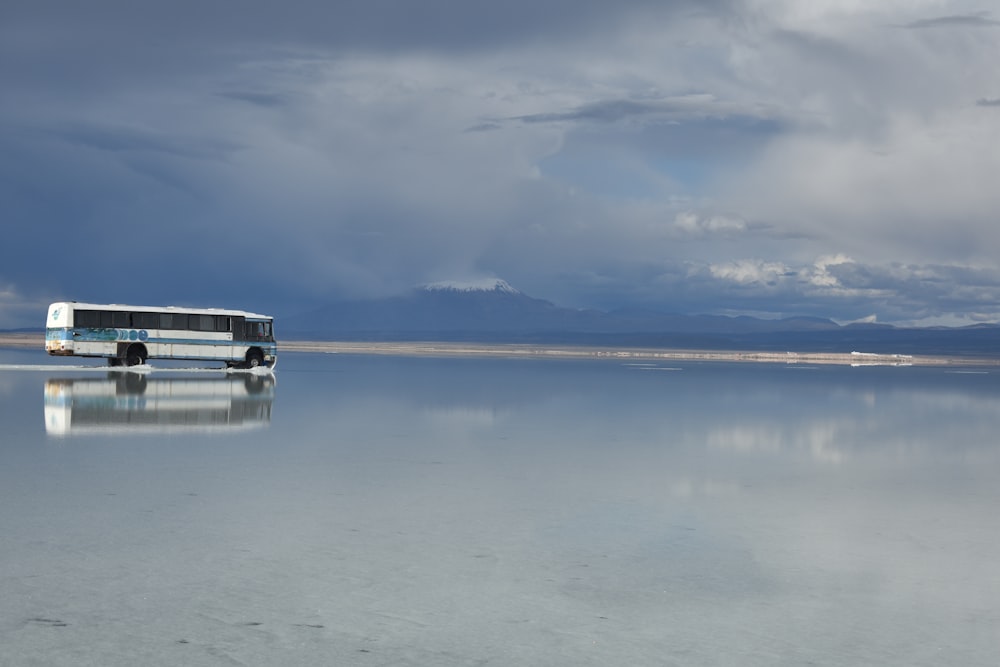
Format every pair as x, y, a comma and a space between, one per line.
60, 348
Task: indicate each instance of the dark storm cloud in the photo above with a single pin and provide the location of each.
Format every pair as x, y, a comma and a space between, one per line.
345, 25
683, 155
259, 99
844, 290
83, 48
697, 107
605, 111
127, 139
914, 290
978, 20
484, 127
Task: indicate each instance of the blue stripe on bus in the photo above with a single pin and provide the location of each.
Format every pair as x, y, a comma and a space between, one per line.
67, 335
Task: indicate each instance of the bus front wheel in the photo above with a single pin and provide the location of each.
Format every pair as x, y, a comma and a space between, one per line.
254, 359
135, 355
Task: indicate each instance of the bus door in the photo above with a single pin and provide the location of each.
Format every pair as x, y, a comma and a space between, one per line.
239, 329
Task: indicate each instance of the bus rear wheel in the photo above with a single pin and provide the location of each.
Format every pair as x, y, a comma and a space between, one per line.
254, 359
135, 355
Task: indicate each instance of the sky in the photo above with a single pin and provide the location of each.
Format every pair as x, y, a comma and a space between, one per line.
763, 157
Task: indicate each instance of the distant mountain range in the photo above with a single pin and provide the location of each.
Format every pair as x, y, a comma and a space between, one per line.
494, 311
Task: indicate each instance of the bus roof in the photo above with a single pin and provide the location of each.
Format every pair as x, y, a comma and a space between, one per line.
76, 305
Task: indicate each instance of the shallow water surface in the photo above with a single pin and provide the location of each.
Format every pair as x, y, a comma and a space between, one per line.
377, 510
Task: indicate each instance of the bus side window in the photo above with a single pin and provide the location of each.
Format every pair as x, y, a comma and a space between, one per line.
112, 319
145, 321
201, 322
171, 321
86, 319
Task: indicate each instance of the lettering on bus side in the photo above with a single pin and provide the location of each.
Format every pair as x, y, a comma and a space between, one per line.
133, 335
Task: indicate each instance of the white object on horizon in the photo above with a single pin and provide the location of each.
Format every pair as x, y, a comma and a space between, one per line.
482, 285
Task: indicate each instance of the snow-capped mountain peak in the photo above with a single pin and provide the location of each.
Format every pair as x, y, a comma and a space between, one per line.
483, 285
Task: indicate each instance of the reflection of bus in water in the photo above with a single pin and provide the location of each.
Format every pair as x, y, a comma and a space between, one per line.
132, 403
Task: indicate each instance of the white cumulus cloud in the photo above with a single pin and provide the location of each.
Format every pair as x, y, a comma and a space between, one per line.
750, 271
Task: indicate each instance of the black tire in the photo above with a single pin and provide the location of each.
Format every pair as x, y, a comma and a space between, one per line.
131, 384
254, 384
135, 356
254, 359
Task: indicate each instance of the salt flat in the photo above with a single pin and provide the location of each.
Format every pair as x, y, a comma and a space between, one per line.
419, 510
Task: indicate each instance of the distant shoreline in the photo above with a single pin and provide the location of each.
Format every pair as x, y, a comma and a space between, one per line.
523, 351
530, 351
22, 340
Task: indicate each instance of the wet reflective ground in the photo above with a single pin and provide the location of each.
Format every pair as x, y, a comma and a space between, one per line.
396, 511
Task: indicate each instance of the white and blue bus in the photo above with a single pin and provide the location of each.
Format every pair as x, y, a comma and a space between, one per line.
129, 335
